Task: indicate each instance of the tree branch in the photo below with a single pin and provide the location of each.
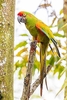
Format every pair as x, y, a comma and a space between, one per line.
37, 82
27, 92
28, 78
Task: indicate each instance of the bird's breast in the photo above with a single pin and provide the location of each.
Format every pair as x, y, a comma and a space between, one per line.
32, 30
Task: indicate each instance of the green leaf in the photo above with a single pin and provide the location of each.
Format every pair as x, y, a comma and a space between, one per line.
60, 23
61, 11
20, 45
23, 34
63, 86
18, 64
61, 71
55, 69
51, 60
59, 35
64, 26
19, 74
22, 63
21, 51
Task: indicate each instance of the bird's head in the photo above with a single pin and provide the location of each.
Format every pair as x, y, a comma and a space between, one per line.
21, 17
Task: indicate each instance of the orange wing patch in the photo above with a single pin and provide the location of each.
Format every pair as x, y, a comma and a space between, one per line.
39, 28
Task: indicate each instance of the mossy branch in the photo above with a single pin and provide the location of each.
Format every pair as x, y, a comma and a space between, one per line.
28, 78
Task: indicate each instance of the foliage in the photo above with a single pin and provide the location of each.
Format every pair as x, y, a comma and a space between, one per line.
24, 54
52, 57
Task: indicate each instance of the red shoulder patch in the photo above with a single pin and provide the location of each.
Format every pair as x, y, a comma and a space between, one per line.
20, 13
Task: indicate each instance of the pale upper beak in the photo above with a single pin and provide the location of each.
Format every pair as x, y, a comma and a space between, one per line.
19, 18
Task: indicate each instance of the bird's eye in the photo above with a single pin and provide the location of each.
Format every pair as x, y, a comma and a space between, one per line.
24, 15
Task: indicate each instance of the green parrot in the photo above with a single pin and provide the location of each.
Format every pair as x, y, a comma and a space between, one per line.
42, 33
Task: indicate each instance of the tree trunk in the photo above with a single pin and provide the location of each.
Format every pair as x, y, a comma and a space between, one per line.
65, 21
6, 49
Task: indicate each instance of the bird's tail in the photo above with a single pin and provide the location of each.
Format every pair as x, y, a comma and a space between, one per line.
55, 44
43, 66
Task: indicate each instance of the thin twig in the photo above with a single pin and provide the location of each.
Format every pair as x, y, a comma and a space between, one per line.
37, 8
28, 78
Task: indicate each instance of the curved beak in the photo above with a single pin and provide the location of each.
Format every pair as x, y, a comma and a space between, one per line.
19, 18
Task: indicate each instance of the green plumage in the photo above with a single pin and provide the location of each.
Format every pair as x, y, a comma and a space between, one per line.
43, 35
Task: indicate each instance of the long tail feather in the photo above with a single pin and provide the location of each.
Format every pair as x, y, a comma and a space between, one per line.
41, 72
43, 66
55, 44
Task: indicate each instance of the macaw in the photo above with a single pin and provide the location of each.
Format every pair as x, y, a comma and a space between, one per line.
42, 33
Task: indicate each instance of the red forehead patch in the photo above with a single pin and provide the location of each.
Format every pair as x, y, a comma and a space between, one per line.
20, 13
